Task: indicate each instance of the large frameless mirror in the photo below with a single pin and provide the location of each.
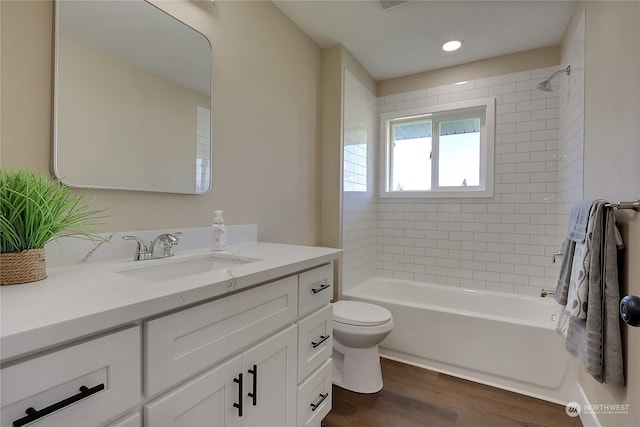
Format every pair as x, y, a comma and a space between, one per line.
132, 99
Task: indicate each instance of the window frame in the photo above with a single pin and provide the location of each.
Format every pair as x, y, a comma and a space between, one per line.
439, 113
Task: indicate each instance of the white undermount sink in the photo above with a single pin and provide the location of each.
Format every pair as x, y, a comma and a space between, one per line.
160, 270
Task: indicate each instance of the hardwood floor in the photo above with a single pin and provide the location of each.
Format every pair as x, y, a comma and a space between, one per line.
415, 397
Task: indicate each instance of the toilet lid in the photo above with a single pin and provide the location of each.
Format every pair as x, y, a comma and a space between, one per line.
360, 313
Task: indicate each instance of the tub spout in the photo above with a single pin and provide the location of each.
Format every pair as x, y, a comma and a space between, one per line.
547, 292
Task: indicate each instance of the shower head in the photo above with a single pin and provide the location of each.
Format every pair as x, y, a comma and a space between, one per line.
546, 84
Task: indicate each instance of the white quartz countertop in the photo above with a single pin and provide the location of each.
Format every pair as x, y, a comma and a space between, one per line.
82, 300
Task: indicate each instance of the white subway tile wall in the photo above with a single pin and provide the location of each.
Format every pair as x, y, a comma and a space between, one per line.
359, 214
502, 243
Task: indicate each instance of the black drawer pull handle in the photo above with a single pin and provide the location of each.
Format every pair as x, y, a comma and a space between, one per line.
240, 395
254, 395
315, 405
321, 288
323, 338
33, 415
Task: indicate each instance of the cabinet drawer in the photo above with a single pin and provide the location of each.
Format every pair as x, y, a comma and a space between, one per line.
314, 396
109, 367
315, 341
186, 342
315, 288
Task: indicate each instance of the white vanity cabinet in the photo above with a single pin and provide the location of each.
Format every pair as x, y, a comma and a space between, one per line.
259, 387
258, 357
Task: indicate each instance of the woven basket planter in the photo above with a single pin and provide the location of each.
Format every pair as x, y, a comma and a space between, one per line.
22, 267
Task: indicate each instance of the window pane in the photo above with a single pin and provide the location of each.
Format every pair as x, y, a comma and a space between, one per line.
459, 153
411, 157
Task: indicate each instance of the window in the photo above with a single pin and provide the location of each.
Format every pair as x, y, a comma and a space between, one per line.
439, 151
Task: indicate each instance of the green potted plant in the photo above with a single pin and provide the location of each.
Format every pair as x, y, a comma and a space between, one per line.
33, 211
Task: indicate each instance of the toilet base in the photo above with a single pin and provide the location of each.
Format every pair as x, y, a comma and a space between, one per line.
357, 369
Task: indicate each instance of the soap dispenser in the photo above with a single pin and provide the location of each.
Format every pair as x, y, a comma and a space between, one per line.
218, 232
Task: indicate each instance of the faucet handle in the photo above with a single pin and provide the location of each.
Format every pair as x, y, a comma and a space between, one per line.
167, 241
142, 252
170, 240
174, 237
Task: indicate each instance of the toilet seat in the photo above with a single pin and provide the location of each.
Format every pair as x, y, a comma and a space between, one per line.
358, 313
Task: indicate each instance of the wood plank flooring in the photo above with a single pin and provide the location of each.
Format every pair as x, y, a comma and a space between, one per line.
415, 397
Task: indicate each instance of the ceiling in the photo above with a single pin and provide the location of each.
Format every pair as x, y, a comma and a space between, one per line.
407, 38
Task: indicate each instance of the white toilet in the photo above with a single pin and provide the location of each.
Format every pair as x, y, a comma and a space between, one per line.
358, 328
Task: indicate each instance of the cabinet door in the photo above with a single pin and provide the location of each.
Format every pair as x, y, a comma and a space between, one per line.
206, 401
273, 366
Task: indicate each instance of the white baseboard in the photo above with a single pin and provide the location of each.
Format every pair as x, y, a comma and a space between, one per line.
588, 419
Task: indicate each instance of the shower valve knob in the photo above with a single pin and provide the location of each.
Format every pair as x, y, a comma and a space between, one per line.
556, 255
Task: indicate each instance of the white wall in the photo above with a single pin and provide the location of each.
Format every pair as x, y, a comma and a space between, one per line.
611, 159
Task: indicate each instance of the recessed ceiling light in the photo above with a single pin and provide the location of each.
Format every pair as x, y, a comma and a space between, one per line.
451, 45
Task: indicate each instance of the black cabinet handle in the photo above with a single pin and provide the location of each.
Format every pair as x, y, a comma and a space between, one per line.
322, 339
254, 395
240, 395
33, 415
315, 405
321, 288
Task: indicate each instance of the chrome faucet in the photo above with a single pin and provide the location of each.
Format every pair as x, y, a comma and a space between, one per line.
165, 241
547, 292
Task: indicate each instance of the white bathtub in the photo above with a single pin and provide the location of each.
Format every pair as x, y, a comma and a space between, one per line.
504, 340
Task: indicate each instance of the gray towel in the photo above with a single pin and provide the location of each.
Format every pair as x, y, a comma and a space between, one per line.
596, 342
579, 220
576, 233
562, 290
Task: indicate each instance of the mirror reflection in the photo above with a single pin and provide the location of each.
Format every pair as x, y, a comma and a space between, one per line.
132, 99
